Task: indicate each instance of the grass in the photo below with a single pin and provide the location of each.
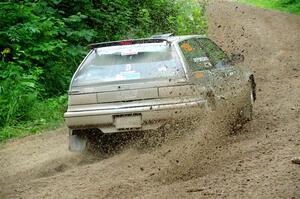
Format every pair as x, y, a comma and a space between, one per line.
45, 115
289, 6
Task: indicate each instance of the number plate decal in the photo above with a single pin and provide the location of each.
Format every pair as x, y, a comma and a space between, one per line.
126, 122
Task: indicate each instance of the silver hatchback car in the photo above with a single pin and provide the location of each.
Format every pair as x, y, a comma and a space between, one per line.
136, 85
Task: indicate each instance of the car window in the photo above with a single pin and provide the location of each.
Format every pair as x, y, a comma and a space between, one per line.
129, 62
195, 56
216, 55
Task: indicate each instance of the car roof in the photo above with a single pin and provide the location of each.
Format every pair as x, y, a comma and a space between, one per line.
183, 37
154, 39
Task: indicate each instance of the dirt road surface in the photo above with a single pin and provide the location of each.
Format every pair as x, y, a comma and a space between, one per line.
209, 161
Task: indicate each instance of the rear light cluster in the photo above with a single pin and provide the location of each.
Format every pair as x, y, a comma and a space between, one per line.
123, 43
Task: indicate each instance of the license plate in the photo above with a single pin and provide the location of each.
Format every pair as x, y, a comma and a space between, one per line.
126, 122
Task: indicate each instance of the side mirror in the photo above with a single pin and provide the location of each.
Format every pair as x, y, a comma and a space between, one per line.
237, 58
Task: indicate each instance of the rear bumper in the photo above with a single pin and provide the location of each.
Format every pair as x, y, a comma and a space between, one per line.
152, 116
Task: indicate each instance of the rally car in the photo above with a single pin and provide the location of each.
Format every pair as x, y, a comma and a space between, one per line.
141, 84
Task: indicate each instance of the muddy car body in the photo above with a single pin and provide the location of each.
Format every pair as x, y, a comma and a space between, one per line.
137, 85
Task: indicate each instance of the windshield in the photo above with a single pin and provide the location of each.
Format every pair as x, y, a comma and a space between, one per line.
129, 62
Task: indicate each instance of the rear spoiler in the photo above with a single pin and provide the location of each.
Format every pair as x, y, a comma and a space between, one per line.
127, 42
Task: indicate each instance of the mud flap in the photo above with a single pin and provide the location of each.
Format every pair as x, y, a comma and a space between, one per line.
211, 100
77, 143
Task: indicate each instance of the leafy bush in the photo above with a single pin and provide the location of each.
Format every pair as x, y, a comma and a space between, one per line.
191, 19
43, 114
42, 42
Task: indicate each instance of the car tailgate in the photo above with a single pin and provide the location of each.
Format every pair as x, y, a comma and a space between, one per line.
135, 94
127, 95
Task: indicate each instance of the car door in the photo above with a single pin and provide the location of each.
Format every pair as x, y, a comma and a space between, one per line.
202, 70
227, 78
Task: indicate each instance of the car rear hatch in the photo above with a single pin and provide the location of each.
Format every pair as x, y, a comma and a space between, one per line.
127, 71
132, 92
128, 76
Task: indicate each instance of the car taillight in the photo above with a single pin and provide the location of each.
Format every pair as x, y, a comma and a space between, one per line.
125, 42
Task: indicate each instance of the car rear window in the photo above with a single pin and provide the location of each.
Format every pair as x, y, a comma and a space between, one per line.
129, 63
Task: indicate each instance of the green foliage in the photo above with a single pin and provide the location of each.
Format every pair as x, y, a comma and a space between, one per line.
290, 6
43, 41
191, 19
45, 114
